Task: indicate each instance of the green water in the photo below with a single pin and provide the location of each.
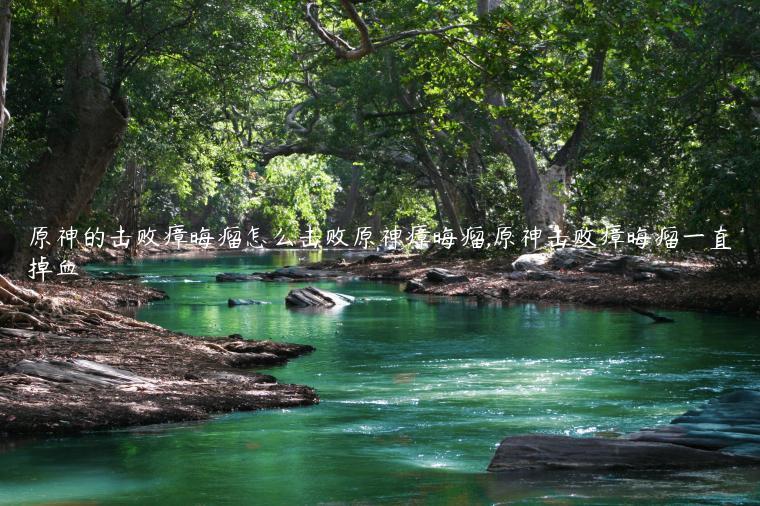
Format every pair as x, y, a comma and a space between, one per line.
415, 395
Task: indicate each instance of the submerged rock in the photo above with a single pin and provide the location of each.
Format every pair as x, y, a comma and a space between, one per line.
245, 302
227, 277
724, 432
314, 297
288, 274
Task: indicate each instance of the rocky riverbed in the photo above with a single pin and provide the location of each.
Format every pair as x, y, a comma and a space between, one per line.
599, 280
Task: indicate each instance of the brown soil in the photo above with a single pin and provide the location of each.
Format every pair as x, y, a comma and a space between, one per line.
180, 377
698, 289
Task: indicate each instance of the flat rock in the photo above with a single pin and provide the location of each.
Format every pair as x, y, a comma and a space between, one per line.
298, 274
540, 275
544, 452
227, 277
245, 302
729, 423
445, 276
314, 297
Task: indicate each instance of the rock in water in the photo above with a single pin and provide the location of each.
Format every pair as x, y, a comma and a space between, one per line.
543, 452
314, 297
729, 424
227, 277
445, 276
723, 432
413, 286
297, 274
244, 302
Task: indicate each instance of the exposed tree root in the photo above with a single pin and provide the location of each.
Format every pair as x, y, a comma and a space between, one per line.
26, 309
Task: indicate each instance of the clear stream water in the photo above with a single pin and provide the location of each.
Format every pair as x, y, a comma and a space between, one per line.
416, 393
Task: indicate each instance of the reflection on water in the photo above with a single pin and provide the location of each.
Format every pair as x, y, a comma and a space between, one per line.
415, 397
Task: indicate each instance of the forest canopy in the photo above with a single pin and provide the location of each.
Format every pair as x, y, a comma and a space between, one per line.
341, 113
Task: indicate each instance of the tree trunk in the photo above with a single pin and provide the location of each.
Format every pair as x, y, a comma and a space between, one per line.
541, 194
352, 198
88, 129
5, 40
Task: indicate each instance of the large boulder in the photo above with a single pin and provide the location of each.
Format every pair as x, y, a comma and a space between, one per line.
544, 452
723, 432
531, 262
314, 297
730, 424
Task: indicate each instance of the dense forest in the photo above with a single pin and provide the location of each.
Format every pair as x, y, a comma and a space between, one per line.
443, 113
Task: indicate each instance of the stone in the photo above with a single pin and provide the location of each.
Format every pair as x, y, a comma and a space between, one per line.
244, 302
227, 277
289, 274
643, 276
572, 258
414, 286
531, 261
723, 432
314, 297
545, 452
445, 276
540, 275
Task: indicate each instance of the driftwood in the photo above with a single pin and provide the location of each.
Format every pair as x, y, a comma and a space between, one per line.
655, 317
78, 371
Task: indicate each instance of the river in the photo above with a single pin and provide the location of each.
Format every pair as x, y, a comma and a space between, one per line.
416, 393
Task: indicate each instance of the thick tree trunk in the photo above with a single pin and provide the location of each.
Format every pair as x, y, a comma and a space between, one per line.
541, 194
81, 144
352, 199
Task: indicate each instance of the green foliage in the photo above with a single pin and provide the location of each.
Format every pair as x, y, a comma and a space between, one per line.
294, 193
215, 87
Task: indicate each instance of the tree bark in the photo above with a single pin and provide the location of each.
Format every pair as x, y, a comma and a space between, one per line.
352, 198
541, 194
5, 40
87, 130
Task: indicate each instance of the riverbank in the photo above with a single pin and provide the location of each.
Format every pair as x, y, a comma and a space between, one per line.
695, 288
70, 363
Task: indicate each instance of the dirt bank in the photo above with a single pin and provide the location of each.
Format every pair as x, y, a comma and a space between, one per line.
69, 363
696, 288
